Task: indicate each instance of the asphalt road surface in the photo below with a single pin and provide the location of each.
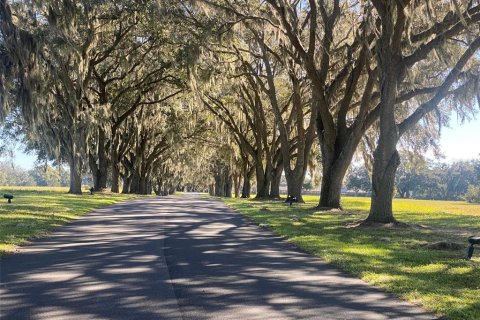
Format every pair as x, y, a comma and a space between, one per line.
180, 257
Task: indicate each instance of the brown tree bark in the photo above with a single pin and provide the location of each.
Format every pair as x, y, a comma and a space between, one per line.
276, 179
76, 164
115, 178
386, 157
263, 180
236, 184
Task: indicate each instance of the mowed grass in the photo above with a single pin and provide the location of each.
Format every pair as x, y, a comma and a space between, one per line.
396, 259
36, 210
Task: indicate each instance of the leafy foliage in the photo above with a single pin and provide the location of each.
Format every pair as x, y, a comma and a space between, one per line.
473, 194
442, 181
358, 179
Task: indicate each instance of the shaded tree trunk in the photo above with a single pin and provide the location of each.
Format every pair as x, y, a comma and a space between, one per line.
263, 180
337, 156
228, 186
386, 157
143, 185
236, 183
247, 186
134, 182
295, 185
103, 162
223, 180
275, 184
115, 178
149, 187
126, 183
115, 161
332, 180
99, 168
383, 184
220, 185
75, 175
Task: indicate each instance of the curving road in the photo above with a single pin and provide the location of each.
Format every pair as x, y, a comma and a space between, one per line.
180, 257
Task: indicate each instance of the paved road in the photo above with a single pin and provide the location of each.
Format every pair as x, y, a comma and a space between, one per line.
180, 258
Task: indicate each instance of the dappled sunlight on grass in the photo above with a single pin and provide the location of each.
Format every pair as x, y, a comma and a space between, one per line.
396, 259
36, 210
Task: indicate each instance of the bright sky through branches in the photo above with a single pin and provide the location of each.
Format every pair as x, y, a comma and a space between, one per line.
461, 141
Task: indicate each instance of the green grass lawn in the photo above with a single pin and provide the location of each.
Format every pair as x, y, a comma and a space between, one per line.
396, 259
36, 210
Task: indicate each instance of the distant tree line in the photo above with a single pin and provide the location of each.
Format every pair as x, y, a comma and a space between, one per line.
421, 179
43, 175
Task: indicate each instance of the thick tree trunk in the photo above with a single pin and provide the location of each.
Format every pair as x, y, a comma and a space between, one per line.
99, 174
98, 163
246, 188
295, 181
93, 169
333, 174
115, 178
263, 181
75, 175
275, 184
262, 188
236, 184
247, 185
164, 191
157, 187
295, 189
386, 158
143, 185
331, 189
135, 182
126, 183
102, 162
337, 156
223, 181
149, 187
220, 185
102, 176
115, 163
134, 185
228, 186
383, 184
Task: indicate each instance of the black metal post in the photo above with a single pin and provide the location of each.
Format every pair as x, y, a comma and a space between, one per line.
469, 253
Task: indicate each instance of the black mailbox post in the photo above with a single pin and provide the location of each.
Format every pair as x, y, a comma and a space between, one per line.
9, 197
472, 241
291, 199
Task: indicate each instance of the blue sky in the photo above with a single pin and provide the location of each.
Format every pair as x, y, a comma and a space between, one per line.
23, 160
461, 141
458, 142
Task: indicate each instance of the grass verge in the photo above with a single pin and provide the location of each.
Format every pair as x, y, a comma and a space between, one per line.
399, 260
36, 210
